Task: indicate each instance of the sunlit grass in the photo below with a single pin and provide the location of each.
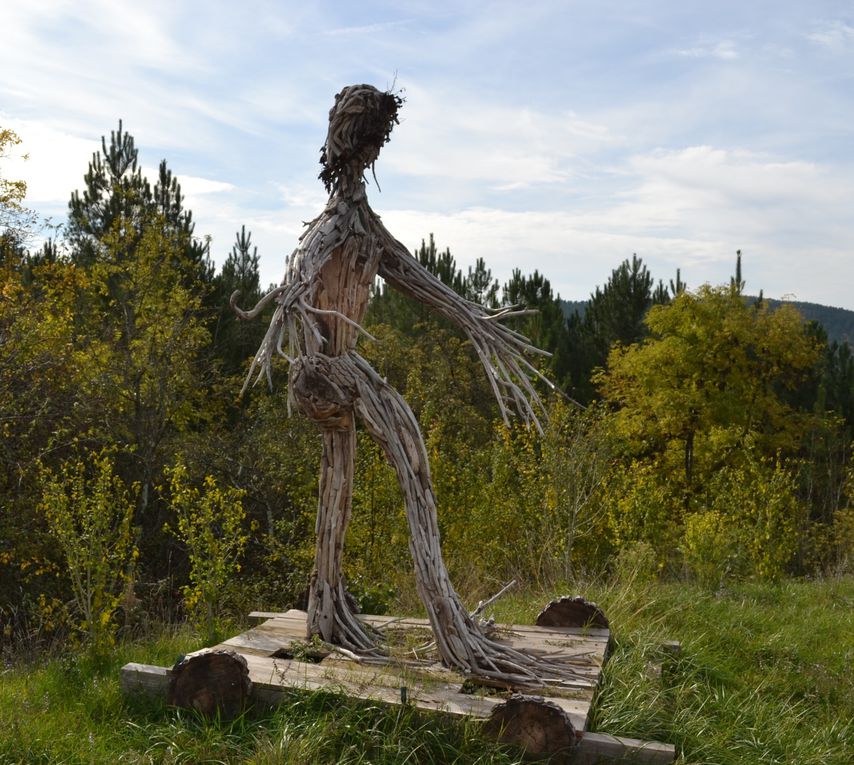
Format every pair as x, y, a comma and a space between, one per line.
765, 676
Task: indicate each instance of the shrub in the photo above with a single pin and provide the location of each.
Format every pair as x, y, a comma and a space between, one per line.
89, 513
209, 522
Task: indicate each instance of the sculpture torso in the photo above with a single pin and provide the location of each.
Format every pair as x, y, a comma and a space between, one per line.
331, 273
343, 286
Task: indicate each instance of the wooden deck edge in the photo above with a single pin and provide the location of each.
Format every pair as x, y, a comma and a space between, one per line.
595, 748
147, 679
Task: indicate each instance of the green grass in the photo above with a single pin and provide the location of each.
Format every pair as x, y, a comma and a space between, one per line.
765, 676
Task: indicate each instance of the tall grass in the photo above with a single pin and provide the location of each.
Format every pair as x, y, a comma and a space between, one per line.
765, 676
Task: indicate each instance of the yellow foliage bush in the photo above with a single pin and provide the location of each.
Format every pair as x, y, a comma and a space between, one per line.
89, 513
209, 521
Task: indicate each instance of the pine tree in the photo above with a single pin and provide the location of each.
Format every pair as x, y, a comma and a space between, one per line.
117, 194
547, 327
236, 341
615, 314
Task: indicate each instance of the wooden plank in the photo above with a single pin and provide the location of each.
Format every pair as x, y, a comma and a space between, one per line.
569, 645
596, 748
261, 640
271, 676
595, 634
297, 617
147, 679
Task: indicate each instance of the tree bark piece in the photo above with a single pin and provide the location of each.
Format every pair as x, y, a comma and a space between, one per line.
541, 728
572, 612
210, 682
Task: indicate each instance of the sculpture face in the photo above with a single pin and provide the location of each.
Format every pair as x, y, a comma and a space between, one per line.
360, 123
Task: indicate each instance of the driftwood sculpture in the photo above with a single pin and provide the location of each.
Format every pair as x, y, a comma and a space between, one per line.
319, 306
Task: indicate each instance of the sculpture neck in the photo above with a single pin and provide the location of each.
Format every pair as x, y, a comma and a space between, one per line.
349, 188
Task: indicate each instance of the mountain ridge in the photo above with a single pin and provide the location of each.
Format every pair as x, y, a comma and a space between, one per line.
837, 322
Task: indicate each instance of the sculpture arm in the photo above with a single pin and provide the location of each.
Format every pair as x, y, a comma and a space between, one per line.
502, 351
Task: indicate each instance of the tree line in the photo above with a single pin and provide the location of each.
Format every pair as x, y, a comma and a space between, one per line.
691, 432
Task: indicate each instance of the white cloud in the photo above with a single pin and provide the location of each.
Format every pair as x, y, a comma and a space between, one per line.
835, 36
459, 137
56, 164
724, 50
193, 186
688, 209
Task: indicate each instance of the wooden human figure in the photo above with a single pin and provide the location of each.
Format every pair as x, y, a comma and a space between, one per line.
319, 307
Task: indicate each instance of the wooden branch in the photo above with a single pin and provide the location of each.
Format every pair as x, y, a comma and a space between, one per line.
484, 604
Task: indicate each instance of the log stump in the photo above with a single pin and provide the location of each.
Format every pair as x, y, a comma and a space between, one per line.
211, 683
572, 612
540, 728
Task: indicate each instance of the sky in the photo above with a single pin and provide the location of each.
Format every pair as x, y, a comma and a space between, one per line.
541, 135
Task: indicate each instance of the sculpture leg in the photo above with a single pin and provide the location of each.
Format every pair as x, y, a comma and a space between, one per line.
461, 644
330, 614
328, 389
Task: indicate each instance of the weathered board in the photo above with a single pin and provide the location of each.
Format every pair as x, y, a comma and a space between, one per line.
277, 657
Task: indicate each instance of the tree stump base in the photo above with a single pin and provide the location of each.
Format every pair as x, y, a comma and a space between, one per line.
211, 682
572, 612
539, 727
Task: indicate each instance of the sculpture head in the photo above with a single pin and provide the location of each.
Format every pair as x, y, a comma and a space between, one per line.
360, 123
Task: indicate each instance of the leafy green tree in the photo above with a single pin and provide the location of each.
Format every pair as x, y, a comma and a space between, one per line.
16, 221
712, 364
699, 396
39, 376
140, 325
209, 521
141, 340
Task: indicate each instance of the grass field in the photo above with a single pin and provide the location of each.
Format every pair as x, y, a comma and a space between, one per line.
765, 676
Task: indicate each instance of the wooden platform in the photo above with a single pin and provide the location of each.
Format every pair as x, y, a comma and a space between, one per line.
279, 659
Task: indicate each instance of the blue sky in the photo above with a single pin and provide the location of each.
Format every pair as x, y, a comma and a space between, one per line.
558, 136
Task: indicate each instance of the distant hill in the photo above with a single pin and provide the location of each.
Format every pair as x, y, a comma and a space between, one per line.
837, 322
571, 306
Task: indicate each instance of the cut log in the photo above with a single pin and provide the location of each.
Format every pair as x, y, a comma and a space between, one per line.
540, 728
211, 682
572, 612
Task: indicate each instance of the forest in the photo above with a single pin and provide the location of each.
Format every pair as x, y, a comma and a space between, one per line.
693, 434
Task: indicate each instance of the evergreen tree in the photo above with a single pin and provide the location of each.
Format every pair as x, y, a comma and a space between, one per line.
117, 193
614, 314
234, 340
547, 327
480, 287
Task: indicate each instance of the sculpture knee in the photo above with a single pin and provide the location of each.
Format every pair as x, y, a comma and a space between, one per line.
321, 392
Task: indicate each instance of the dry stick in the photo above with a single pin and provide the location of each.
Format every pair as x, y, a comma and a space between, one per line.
484, 604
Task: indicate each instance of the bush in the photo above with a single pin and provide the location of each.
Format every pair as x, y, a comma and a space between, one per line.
89, 512
209, 522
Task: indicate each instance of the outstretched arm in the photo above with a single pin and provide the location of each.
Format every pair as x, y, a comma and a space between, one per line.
502, 351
